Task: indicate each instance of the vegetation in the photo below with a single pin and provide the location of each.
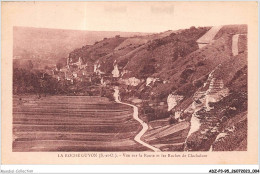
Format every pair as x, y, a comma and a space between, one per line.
26, 81
175, 65
41, 83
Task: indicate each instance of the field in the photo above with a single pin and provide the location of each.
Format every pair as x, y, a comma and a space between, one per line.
73, 123
168, 138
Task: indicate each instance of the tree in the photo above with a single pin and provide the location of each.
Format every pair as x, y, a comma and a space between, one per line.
148, 69
192, 28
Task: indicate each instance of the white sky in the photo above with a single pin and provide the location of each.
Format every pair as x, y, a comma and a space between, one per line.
126, 16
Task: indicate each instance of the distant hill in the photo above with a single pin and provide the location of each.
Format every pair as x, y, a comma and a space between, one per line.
49, 45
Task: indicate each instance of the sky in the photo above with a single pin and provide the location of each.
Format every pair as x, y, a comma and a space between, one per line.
125, 16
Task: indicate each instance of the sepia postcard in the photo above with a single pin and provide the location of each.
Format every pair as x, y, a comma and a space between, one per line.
129, 83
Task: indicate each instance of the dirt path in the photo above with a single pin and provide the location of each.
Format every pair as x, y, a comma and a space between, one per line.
208, 36
235, 44
135, 116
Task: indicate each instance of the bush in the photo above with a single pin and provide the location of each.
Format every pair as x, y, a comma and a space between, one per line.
172, 120
122, 63
148, 70
156, 114
186, 90
192, 28
186, 73
200, 63
156, 43
162, 95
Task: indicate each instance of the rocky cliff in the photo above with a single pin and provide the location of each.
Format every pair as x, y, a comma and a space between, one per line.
193, 97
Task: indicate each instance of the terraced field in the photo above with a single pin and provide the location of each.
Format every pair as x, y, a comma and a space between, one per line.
168, 138
73, 123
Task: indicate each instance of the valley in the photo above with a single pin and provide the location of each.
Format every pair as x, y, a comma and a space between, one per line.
183, 90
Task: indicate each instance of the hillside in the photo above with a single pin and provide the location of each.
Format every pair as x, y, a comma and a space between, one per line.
49, 45
193, 97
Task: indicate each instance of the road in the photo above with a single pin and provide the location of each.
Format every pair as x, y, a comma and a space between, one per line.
208, 36
235, 44
135, 116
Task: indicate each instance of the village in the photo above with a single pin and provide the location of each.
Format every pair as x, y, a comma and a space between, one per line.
171, 101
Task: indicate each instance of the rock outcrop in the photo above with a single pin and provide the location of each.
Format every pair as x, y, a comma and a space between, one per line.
115, 71
203, 85
173, 100
132, 81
